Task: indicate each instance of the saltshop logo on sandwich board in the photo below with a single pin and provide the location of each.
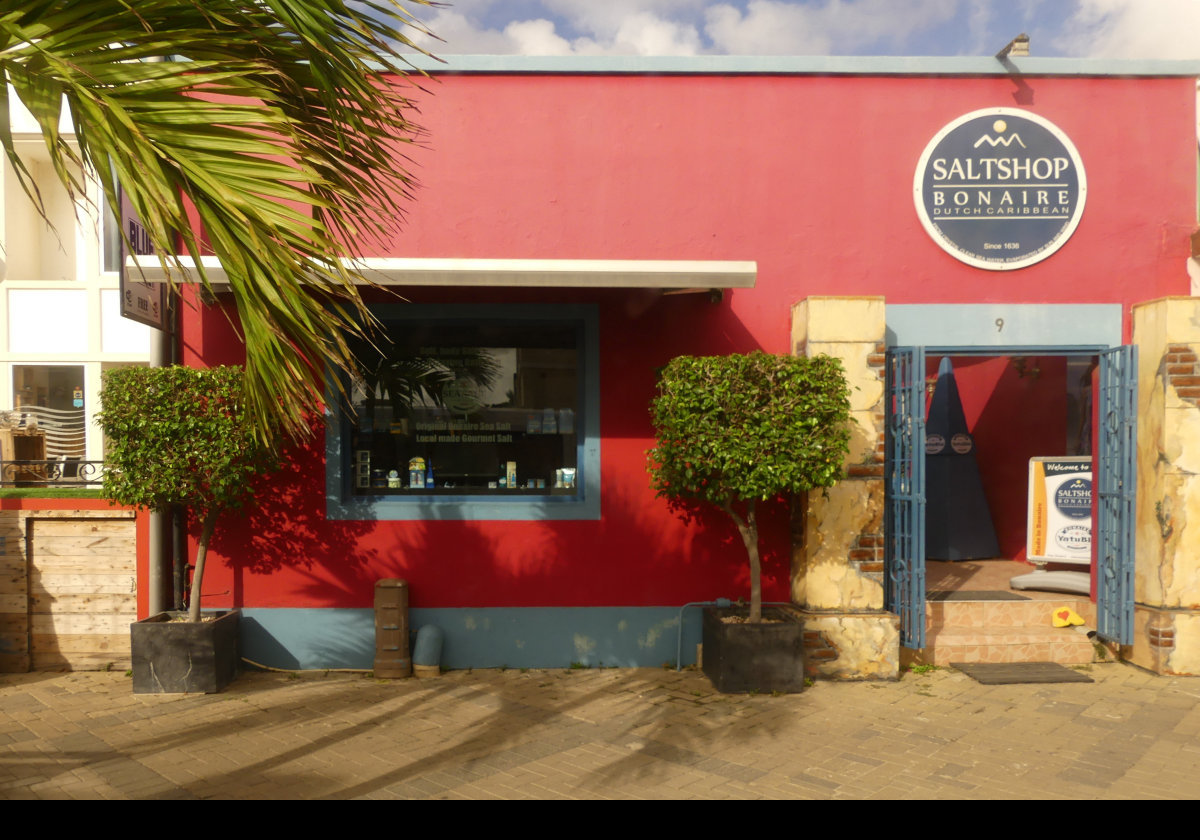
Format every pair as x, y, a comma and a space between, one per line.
1000, 188
1073, 498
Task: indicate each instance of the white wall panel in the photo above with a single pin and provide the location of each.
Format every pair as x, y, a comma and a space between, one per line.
50, 321
120, 335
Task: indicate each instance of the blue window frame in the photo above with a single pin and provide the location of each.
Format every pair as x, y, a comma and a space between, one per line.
470, 412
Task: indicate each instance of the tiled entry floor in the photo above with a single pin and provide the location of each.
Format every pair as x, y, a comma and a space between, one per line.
999, 631
985, 575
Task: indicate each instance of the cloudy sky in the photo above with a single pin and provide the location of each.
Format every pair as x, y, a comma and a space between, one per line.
1076, 28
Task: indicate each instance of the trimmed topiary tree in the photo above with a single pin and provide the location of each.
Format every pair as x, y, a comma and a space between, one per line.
181, 436
736, 430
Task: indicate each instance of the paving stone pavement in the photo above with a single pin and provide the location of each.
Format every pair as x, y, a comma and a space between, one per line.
599, 734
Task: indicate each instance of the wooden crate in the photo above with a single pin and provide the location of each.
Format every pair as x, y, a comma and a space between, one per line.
22, 445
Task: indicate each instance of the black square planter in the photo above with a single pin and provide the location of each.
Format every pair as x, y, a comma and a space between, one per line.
740, 658
179, 657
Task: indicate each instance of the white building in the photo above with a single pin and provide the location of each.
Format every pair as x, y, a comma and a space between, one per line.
60, 322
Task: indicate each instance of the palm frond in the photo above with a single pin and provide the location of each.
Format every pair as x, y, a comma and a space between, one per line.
276, 124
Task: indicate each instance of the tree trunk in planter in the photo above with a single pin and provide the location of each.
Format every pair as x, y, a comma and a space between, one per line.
740, 657
178, 657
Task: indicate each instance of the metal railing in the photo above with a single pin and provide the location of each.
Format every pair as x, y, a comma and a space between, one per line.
54, 472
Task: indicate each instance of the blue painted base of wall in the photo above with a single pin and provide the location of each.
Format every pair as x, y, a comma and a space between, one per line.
525, 637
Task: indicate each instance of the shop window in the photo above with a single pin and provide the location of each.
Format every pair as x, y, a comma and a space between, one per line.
110, 239
470, 413
50, 399
111, 246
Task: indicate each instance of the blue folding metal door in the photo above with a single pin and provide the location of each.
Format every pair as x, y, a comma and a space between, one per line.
1116, 475
904, 528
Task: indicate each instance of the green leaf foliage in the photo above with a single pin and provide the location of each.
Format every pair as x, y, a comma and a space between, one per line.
750, 427
178, 435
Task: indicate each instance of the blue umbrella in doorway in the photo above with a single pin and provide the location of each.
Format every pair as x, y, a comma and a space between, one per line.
958, 523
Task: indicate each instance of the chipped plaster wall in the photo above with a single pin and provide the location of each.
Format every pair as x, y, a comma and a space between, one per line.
837, 571
852, 647
837, 559
1167, 574
838, 562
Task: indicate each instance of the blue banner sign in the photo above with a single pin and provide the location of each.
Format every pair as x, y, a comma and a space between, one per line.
1000, 188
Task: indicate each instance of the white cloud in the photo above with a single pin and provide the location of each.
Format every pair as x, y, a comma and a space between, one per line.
648, 34
766, 28
603, 19
1168, 29
979, 29
624, 27
683, 27
458, 34
1093, 28
775, 27
536, 37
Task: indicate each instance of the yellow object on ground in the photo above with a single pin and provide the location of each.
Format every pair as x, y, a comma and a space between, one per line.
1065, 617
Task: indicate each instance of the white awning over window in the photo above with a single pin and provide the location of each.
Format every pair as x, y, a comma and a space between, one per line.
666, 275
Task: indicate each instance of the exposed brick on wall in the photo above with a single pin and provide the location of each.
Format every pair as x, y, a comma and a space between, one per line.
1161, 637
880, 444
817, 649
876, 361
866, 554
1181, 367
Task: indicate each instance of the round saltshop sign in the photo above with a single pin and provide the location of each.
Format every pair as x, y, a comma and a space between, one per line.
1000, 188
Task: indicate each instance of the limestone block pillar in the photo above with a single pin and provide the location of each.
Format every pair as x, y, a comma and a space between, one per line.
1167, 574
837, 545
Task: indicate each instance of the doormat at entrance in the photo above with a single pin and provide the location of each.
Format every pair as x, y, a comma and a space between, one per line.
1018, 673
975, 595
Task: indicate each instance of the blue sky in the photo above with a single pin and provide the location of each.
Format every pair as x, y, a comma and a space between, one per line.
1075, 28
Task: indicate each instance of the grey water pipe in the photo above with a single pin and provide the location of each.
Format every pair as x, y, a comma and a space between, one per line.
723, 603
165, 537
159, 357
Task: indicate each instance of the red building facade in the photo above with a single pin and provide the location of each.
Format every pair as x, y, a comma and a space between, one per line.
796, 176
